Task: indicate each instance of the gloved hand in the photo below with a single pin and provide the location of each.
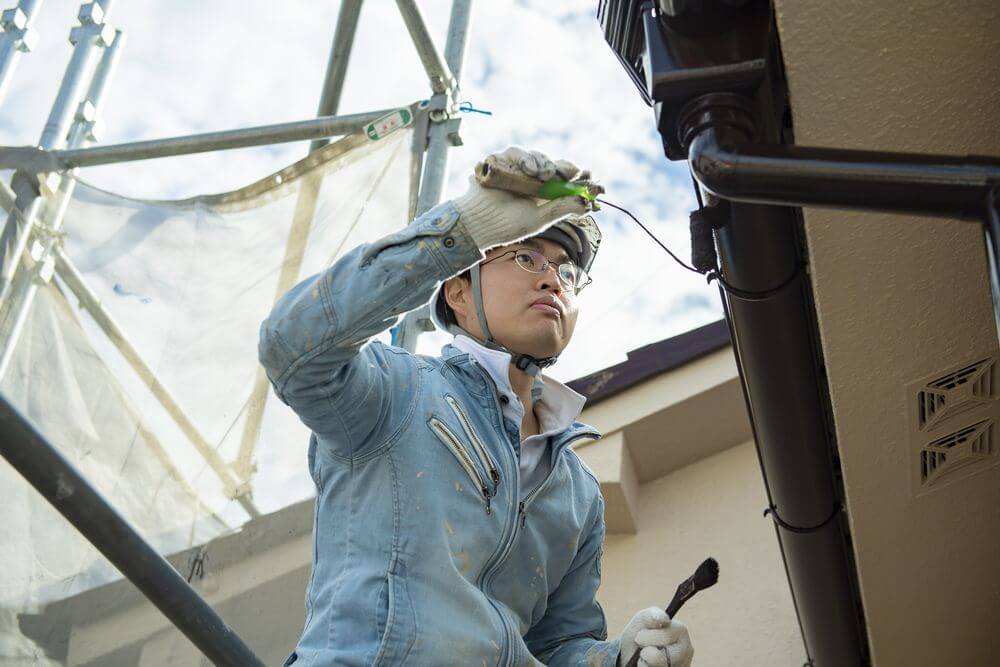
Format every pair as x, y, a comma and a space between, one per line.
495, 217
660, 641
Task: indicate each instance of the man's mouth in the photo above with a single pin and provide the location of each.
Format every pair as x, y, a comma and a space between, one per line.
547, 306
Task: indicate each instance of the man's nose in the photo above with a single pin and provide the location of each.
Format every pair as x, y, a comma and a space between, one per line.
549, 280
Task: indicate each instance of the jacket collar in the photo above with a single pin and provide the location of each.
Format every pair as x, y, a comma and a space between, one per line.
559, 405
475, 381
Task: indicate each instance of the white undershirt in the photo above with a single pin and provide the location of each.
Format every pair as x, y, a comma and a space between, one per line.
556, 409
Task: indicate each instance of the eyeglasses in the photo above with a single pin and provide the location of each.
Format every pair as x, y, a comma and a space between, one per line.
571, 276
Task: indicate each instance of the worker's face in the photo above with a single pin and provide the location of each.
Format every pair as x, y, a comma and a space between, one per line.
528, 313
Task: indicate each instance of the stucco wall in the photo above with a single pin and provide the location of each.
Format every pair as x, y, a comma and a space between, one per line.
900, 298
710, 508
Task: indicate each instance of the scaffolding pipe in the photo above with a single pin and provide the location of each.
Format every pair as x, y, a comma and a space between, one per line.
68, 491
22, 292
17, 37
304, 130
437, 69
336, 67
82, 131
457, 43
442, 133
86, 38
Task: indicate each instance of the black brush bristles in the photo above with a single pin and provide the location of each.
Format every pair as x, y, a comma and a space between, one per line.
707, 574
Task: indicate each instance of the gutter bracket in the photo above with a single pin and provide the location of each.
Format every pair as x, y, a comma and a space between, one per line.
773, 511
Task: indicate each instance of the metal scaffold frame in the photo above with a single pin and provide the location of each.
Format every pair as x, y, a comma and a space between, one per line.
31, 254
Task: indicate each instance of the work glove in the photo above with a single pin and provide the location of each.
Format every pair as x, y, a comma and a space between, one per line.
660, 641
496, 217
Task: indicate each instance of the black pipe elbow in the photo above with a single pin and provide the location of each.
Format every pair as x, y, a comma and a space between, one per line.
715, 166
709, 128
730, 162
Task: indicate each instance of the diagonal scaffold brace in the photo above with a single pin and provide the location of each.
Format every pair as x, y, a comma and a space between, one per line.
68, 491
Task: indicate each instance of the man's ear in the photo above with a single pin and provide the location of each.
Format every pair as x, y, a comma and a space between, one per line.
458, 296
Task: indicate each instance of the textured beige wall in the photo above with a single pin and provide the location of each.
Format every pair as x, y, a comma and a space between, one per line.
710, 508
900, 298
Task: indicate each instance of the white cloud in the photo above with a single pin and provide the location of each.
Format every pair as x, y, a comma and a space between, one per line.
542, 67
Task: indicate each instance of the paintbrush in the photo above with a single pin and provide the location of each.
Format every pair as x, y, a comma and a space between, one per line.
706, 575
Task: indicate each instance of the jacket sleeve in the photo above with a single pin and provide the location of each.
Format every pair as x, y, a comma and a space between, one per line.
573, 630
312, 346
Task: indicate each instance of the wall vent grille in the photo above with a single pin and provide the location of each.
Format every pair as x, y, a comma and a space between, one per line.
969, 445
954, 393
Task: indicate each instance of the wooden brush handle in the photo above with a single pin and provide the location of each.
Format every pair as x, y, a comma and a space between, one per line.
634, 660
491, 174
683, 593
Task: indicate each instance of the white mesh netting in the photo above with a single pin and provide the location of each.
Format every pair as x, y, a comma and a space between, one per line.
138, 360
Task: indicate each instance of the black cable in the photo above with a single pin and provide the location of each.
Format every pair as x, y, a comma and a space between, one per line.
651, 235
747, 295
714, 274
697, 190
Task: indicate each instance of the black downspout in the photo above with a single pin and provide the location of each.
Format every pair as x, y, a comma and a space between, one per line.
781, 368
729, 48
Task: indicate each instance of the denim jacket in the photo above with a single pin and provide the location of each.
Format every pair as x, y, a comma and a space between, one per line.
422, 552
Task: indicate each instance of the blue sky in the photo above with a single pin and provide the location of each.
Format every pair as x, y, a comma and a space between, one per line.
541, 67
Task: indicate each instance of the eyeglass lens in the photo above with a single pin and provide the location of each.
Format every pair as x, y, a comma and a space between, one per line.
569, 274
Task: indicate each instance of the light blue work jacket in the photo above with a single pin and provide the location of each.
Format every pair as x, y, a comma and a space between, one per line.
422, 552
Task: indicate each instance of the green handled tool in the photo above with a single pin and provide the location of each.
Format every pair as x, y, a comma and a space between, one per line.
492, 174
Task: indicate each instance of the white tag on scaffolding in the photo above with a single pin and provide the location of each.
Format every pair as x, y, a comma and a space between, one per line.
388, 124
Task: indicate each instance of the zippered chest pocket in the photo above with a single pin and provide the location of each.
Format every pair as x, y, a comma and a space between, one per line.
470, 452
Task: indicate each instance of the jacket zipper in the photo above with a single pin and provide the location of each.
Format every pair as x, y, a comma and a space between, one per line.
522, 513
451, 441
508, 628
486, 578
522, 507
487, 459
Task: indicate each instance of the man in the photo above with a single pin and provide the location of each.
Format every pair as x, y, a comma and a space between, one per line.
453, 524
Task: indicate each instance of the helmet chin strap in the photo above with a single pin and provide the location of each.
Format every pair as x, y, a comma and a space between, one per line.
523, 362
